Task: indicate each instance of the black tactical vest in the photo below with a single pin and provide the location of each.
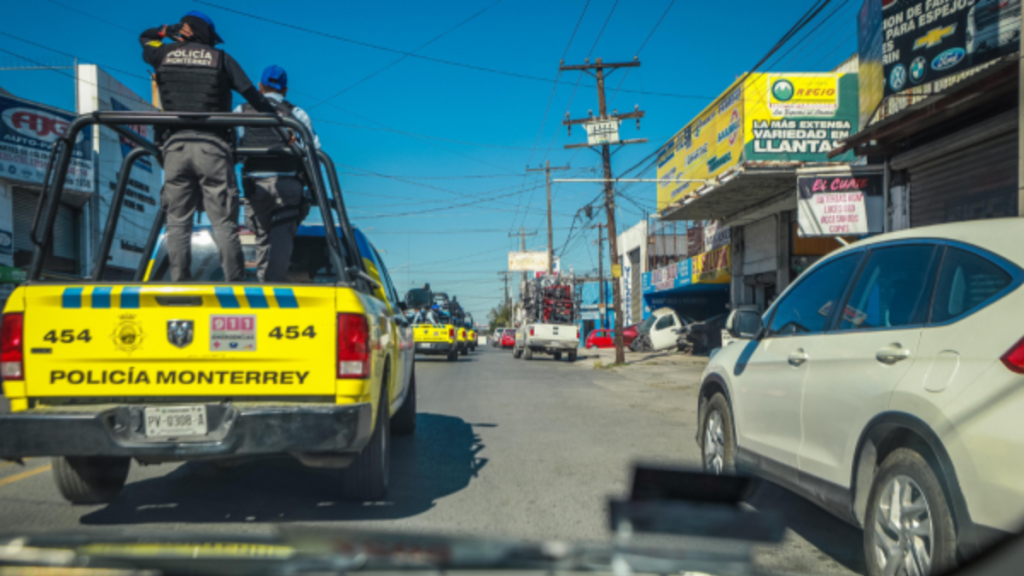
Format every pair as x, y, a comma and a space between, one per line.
268, 138
192, 78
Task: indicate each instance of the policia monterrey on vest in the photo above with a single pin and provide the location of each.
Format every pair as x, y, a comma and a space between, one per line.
193, 76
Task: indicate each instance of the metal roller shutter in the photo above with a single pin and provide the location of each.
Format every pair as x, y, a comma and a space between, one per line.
65, 227
976, 182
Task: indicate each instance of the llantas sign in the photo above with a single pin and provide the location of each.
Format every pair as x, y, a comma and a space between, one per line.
839, 203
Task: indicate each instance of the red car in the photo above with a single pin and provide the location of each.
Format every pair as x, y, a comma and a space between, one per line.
508, 339
605, 337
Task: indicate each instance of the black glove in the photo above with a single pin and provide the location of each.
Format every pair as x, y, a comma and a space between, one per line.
173, 30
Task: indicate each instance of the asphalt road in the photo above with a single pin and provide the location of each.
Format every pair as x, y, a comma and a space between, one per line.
504, 448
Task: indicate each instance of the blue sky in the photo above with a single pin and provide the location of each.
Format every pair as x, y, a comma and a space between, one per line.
420, 136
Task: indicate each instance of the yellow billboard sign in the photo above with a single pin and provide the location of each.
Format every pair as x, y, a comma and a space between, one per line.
712, 267
766, 117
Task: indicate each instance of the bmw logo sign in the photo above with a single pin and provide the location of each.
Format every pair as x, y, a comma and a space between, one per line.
918, 69
782, 90
898, 77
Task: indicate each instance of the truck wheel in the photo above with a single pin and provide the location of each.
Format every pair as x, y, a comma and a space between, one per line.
516, 352
558, 355
453, 355
90, 480
527, 354
572, 356
367, 477
404, 421
464, 350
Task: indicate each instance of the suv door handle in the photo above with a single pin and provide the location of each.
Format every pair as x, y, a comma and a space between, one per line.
892, 353
797, 357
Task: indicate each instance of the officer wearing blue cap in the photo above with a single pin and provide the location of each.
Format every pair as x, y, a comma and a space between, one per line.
274, 200
193, 76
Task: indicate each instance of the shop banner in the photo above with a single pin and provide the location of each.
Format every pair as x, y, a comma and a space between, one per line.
666, 278
27, 134
786, 117
712, 267
927, 40
715, 236
839, 204
527, 261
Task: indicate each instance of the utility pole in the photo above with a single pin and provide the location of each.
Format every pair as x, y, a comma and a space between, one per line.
597, 70
603, 303
551, 243
508, 302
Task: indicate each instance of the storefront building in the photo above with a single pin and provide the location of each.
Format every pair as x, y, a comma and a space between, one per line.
737, 164
27, 131
939, 108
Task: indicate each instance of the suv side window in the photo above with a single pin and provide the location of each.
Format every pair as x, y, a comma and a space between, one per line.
389, 287
893, 288
664, 322
965, 282
807, 307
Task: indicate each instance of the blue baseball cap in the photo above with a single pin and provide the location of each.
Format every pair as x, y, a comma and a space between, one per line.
215, 38
275, 77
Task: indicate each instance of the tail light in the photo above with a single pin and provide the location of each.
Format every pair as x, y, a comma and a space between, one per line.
1013, 359
451, 332
353, 346
12, 365
531, 330
577, 333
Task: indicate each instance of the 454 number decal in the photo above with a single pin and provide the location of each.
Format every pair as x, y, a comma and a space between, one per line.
67, 336
292, 332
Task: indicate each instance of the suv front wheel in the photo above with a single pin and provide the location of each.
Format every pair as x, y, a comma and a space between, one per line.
717, 446
908, 519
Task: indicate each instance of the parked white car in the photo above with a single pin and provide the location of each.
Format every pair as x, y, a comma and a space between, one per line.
887, 386
660, 331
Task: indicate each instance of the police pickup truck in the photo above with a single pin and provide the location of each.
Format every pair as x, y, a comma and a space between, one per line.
99, 372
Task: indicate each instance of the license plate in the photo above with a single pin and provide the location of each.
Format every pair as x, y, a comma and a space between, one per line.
165, 421
427, 345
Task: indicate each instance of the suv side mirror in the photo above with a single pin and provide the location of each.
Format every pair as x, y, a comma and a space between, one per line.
744, 324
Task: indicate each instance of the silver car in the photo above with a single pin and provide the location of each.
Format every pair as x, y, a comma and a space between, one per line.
887, 386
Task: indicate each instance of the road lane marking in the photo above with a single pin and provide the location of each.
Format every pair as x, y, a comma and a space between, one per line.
25, 474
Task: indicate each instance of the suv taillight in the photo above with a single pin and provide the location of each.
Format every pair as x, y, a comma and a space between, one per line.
451, 332
1013, 359
12, 365
353, 346
531, 330
577, 333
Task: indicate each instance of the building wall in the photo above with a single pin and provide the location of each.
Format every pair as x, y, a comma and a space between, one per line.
629, 241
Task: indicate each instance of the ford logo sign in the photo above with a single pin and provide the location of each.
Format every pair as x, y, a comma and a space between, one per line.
948, 59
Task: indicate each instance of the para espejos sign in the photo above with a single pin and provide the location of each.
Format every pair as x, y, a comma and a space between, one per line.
839, 204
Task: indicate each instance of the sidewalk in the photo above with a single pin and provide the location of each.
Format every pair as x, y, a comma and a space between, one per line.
664, 382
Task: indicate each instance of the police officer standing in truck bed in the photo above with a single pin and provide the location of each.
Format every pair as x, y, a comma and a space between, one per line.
274, 191
193, 76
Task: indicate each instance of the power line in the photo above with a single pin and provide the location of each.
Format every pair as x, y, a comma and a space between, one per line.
422, 46
419, 56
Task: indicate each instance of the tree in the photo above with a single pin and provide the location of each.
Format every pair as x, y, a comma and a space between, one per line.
498, 316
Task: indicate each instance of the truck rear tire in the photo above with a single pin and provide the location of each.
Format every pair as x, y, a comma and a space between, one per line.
367, 477
90, 480
404, 421
465, 350
527, 354
558, 355
572, 356
516, 352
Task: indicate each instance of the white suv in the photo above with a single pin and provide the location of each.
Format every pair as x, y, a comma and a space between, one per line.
887, 386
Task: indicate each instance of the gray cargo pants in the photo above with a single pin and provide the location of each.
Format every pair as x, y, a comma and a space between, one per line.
273, 209
199, 167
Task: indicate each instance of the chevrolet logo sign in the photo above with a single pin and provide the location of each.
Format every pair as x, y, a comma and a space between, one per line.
934, 37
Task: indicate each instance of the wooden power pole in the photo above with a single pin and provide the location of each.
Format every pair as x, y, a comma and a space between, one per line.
551, 243
597, 70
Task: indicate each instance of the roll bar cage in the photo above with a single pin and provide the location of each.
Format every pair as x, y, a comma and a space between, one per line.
344, 253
